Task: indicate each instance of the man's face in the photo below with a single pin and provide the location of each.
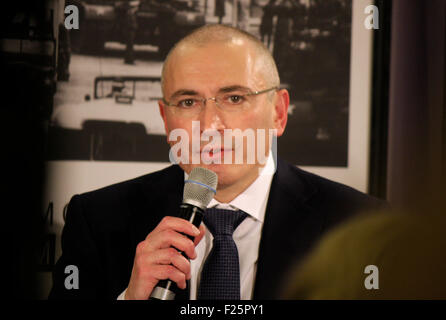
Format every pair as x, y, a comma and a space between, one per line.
207, 71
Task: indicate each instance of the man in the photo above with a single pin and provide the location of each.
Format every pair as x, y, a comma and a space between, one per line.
243, 8
123, 238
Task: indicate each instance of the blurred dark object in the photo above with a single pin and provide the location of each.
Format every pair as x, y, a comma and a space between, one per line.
380, 102
130, 27
64, 54
159, 22
28, 64
28, 50
220, 9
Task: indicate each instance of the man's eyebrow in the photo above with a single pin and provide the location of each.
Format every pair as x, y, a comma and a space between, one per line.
234, 88
184, 92
190, 92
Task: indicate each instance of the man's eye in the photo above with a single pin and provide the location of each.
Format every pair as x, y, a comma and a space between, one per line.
234, 99
187, 103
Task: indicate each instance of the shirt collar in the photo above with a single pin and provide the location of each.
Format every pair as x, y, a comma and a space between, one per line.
254, 199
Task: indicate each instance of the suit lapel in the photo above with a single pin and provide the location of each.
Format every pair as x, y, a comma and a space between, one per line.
290, 228
155, 198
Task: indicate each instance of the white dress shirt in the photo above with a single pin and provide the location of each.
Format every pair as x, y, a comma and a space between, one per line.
253, 201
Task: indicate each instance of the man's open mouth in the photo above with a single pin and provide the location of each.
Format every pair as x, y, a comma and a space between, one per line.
214, 153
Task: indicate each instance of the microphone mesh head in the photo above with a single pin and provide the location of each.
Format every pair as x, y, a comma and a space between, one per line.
199, 188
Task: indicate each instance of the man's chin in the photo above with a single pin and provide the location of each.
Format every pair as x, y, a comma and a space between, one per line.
216, 167
228, 174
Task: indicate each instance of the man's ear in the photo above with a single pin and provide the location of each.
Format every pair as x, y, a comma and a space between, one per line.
281, 116
163, 115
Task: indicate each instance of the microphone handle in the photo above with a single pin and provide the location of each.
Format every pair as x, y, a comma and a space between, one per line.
167, 289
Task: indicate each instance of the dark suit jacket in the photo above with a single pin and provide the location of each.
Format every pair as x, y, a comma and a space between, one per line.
103, 227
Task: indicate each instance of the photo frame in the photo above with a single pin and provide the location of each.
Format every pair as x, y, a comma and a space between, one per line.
356, 173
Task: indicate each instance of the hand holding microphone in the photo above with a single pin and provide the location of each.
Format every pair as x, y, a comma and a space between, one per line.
161, 264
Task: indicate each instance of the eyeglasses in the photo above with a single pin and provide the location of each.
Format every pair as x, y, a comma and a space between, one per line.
232, 101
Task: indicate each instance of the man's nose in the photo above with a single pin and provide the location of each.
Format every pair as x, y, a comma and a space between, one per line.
210, 116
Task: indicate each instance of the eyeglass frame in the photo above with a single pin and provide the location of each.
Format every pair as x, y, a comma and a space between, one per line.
204, 100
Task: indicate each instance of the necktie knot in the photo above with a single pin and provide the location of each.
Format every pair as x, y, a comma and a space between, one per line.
222, 221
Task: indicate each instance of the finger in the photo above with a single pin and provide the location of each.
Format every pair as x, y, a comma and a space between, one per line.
171, 238
163, 272
201, 235
179, 225
172, 256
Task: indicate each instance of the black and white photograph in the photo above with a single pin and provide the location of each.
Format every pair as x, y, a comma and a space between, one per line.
121, 40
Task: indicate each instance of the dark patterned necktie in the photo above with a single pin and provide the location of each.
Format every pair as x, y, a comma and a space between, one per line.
220, 277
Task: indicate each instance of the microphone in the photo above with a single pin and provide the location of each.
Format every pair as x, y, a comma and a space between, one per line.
199, 189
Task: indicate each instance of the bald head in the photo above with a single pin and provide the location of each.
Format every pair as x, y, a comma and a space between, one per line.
211, 34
